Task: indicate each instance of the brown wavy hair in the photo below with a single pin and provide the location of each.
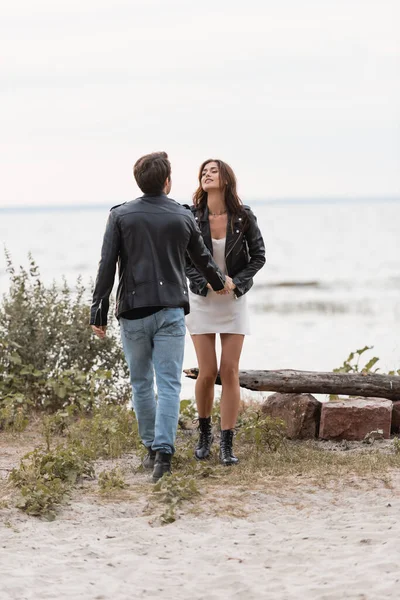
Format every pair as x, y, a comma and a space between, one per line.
233, 203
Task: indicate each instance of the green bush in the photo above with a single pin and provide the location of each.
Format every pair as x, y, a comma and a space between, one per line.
172, 490
263, 433
112, 480
352, 363
49, 357
187, 410
57, 424
66, 463
14, 410
45, 477
107, 433
40, 498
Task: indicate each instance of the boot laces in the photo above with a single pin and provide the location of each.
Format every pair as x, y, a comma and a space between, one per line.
226, 445
204, 437
205, 433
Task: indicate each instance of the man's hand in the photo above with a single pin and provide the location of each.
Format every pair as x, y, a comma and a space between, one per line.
229, 286
220, 292
100, 331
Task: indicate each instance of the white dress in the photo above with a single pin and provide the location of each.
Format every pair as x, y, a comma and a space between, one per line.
218, 313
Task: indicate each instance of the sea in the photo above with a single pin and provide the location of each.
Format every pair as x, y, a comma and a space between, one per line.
331, 284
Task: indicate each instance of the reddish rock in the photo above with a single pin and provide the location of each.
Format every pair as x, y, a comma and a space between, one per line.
396, 417
300, 412
352, 419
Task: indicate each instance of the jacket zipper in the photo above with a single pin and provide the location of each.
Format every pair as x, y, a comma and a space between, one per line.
231, 249
97, 312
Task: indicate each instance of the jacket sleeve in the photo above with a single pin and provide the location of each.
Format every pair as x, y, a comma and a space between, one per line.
200, 259
194, 275
106, 272
256, 247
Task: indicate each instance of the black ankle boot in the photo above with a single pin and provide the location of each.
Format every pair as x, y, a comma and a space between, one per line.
226, 456
149, 459
206, 438
162, 465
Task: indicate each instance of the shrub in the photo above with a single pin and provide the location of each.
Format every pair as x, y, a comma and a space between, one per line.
172, 490
66, 463
187, 410
107, 433
112, 480
352, 363
14, 411
45, 477
49, 357
260, 431
57, 424
40, 498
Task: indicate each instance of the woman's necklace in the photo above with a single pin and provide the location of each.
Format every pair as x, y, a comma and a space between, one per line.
217, 214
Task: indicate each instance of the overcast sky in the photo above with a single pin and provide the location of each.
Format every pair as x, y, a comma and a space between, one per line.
301, 97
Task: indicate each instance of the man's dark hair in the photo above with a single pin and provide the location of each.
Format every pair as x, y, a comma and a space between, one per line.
151, 172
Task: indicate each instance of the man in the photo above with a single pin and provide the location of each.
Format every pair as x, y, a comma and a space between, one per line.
149, 238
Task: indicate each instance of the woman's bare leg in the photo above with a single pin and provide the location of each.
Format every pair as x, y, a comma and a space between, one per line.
232, 344
204, 345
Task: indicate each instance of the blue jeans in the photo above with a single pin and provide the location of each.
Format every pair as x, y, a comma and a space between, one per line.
156, 344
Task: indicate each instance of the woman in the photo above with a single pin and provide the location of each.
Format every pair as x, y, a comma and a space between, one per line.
232, 235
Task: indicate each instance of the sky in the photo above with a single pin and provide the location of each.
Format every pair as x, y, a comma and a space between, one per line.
301, 98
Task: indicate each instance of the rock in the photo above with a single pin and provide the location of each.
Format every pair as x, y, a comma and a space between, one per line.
396, 417
355, 418
300, 412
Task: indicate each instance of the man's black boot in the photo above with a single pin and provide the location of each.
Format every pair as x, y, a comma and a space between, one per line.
149, 459
206, 438
162, 465
226, 456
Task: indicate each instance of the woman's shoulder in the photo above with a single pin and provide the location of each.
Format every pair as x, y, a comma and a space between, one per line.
249, 218
248, 211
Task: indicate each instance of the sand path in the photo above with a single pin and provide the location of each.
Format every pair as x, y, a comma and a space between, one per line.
325, 545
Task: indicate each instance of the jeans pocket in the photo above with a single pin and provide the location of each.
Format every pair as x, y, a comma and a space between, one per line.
173, 323
132, 329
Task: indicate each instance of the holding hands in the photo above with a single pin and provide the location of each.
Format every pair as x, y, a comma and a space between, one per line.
229, 287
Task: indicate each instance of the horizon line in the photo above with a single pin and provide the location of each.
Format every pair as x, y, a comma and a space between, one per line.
271, 201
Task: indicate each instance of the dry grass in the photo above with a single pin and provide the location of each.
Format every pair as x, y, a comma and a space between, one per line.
209, 488
303, 466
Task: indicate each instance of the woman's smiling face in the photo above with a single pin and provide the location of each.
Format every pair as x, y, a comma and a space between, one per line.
210, 177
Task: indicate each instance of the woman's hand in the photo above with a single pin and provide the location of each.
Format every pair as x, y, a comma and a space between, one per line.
229, 286
219, 292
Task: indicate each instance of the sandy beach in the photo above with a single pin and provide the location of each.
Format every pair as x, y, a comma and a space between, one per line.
277, 125
292, 541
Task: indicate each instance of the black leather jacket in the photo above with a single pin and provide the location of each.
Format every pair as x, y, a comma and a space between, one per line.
244, 251
149, 238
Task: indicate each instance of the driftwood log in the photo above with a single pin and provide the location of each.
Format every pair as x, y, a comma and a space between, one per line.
289, 381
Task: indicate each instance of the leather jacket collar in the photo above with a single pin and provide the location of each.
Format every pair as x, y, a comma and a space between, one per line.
234, 232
